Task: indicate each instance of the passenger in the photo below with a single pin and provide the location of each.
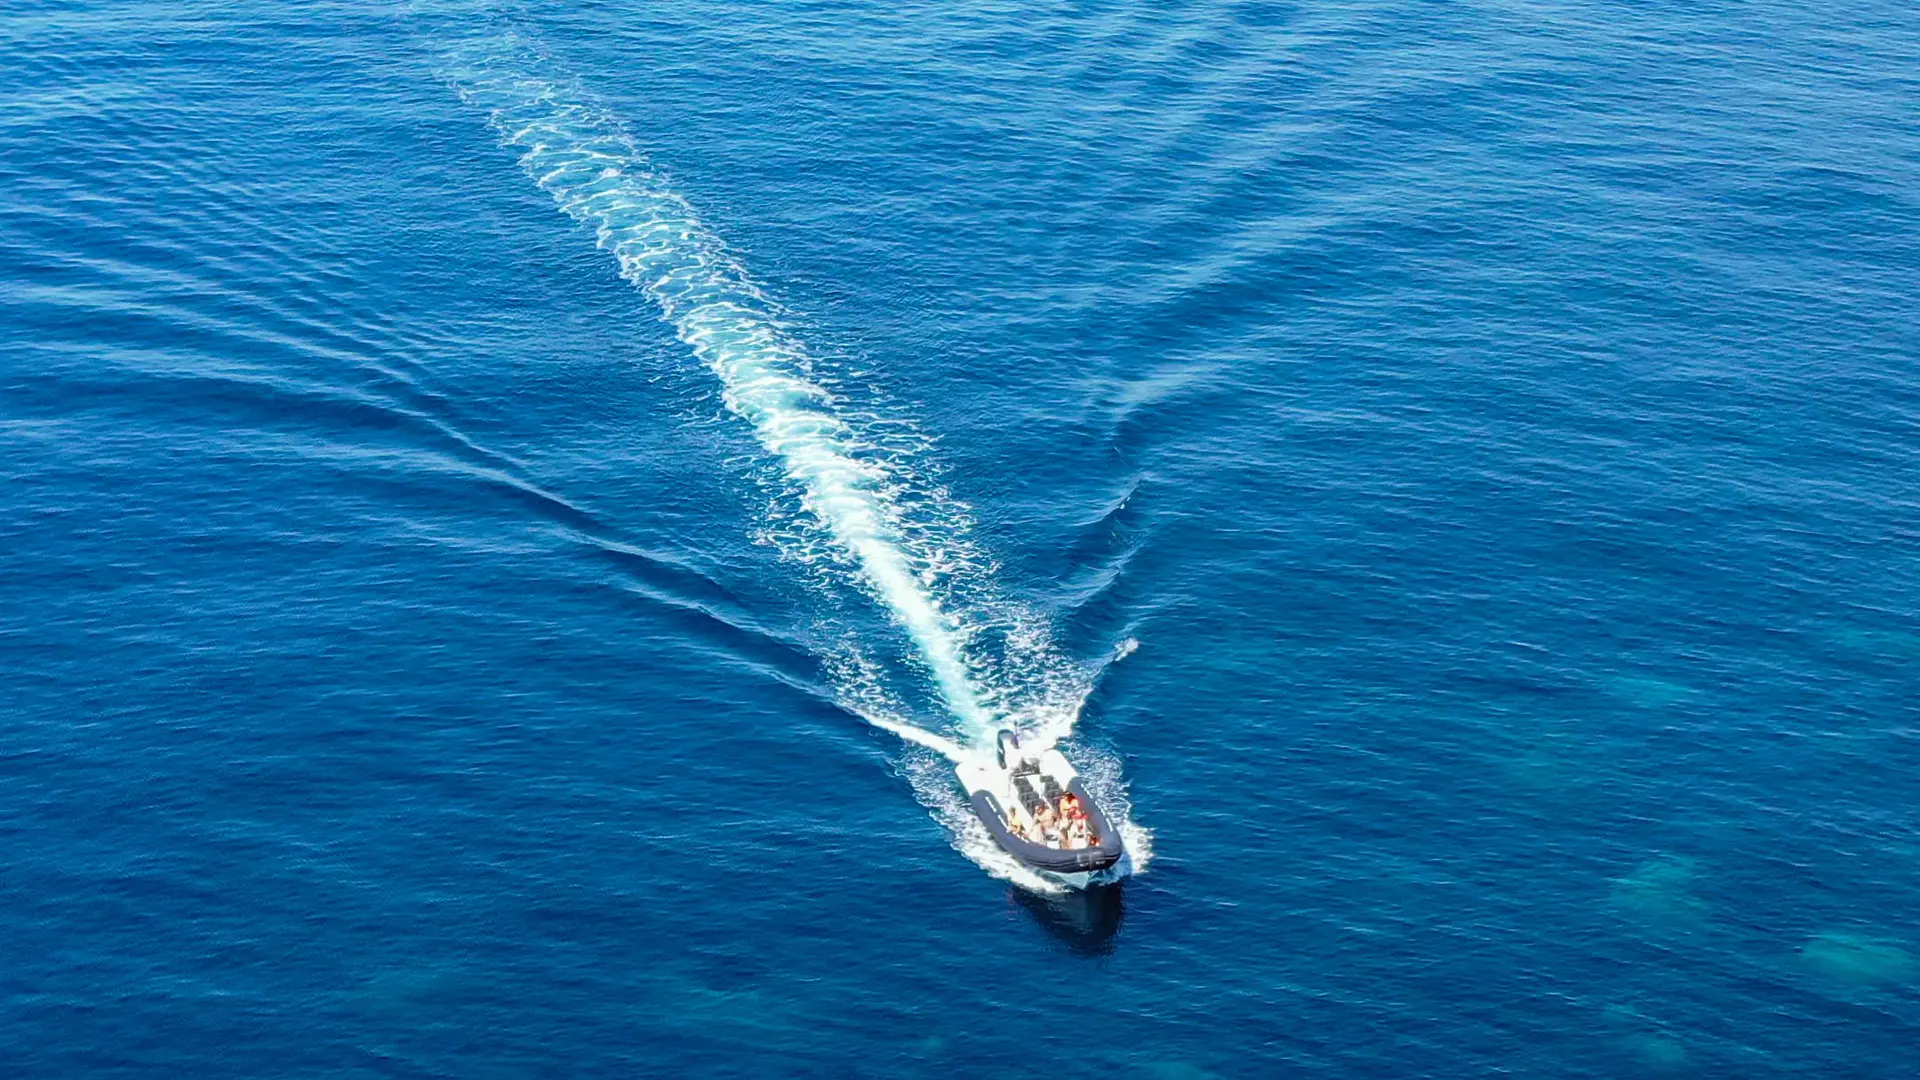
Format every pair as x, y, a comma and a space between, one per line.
1014, 827
1070, 808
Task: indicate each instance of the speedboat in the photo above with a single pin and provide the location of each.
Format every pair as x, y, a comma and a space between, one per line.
1009, 791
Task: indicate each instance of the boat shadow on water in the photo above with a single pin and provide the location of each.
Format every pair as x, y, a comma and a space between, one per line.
1086, 920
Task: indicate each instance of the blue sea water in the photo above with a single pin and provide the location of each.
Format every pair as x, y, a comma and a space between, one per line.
1451, 471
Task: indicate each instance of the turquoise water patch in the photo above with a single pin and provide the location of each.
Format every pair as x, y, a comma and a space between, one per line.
1660, 892
1646, 691
1883, 644
1860, 960
1659, 1052
1644, 1040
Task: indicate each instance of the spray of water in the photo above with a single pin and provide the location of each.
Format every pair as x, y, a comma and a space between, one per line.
582, 157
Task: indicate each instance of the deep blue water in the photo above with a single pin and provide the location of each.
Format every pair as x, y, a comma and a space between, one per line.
1459, 463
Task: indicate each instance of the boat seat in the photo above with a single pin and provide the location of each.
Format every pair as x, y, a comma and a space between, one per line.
1052, 788
1028, 798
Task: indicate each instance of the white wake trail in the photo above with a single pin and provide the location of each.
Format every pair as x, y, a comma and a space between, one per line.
583, 158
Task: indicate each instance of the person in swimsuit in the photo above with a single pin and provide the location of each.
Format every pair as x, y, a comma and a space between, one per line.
1049, 824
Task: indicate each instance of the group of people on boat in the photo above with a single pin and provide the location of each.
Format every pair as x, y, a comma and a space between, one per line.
1066, 827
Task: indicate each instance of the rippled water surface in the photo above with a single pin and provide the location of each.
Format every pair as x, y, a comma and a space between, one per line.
485, 488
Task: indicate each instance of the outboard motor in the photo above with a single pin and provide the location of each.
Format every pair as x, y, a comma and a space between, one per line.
1007, 740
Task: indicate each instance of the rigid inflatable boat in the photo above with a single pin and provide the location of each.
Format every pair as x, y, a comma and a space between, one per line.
1007, 793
